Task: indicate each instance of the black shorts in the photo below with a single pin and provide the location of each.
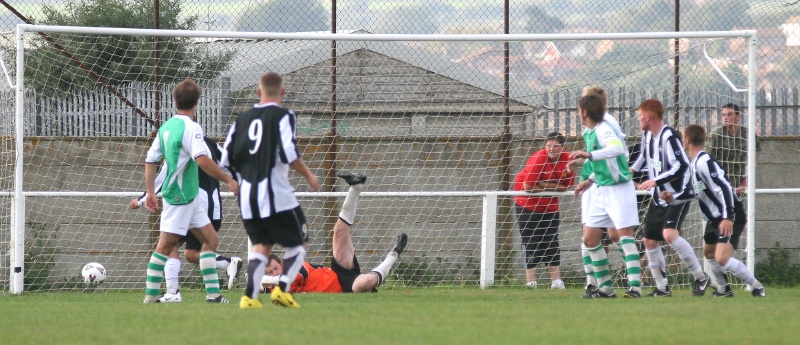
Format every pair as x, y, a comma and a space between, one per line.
346, 276
287, 228
711, 235
539, 237
604, 240
659, 218
192, 243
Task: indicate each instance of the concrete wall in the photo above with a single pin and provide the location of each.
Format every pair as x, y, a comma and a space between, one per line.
444, 232
777, 216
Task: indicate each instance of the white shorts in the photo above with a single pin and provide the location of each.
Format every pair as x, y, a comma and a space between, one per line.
178, 219
612, 207
586, 200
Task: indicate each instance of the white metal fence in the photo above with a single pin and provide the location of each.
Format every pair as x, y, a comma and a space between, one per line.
98, 113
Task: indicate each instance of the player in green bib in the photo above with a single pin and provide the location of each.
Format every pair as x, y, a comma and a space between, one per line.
182, 184
181, 145
613, 202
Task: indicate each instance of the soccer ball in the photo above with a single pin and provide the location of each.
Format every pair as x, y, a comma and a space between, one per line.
93, 273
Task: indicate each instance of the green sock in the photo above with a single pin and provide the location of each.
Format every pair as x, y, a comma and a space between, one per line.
208, 267
632, 261
155, 274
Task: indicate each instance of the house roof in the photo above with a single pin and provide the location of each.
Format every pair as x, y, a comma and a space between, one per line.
254, 57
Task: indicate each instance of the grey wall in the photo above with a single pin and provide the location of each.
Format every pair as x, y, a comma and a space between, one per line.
777, 215
444, 232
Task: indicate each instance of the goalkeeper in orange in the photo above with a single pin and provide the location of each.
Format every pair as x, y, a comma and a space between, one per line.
344, 274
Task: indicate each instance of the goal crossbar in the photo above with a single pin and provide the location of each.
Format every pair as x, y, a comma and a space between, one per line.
387, 37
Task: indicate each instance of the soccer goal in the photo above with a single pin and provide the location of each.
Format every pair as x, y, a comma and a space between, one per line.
441, 124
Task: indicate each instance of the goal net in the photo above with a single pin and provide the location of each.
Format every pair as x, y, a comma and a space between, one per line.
430, 119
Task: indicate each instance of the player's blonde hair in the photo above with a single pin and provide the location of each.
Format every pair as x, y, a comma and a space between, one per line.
597, 91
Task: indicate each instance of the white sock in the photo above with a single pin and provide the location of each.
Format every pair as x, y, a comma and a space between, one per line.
223, 262
255, 271
587, 266
633, 268
719, 275
383, 269
155, 275
740, 270
171, 271
292, 262
348, 212
209, 273
600, 268
685, 251
655, 261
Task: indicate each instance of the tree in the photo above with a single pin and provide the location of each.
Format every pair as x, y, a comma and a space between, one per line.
116, 59
539, 22
285, 16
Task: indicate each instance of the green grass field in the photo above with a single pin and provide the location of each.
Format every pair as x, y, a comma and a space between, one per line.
404, 316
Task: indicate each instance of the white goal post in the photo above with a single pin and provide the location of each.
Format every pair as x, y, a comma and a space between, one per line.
433, 164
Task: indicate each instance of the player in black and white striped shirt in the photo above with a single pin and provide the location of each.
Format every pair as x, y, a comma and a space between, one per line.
260, 150
668, 169
723, 212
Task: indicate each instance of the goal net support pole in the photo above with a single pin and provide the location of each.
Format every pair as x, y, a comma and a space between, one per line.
17, 241
752, 45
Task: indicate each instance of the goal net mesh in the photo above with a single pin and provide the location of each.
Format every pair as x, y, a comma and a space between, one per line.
405, 113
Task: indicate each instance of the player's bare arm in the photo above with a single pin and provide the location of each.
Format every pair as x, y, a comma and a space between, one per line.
742, 186
666, 196
582, 187
311, 179
579, 155
726, 228
647, 185
134, 204
150, 201
575, 164
210, 167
